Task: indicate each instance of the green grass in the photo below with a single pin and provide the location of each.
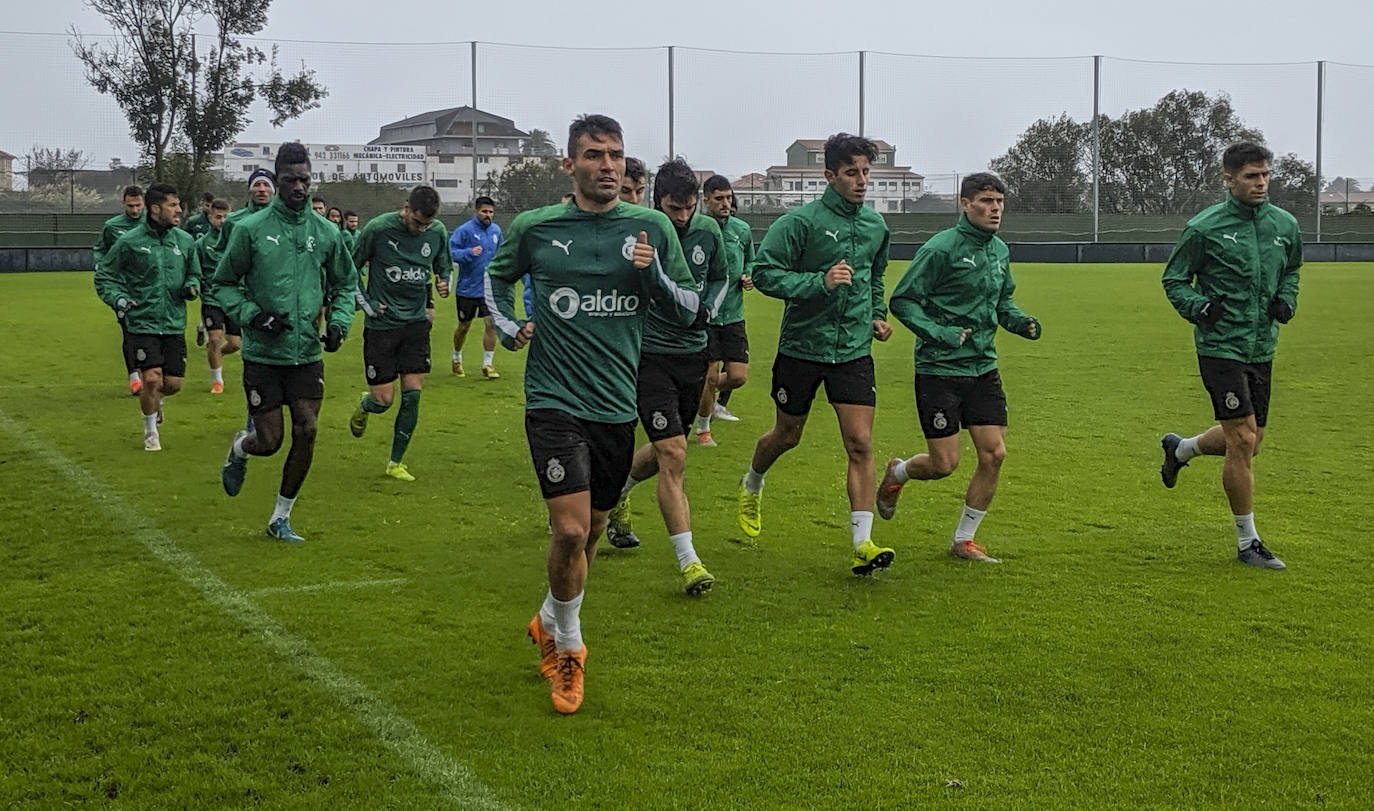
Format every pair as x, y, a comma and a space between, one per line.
1118, 657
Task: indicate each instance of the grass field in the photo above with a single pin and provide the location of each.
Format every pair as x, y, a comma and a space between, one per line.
157, 649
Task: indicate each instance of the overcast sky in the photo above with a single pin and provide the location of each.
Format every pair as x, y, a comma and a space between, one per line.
737, 112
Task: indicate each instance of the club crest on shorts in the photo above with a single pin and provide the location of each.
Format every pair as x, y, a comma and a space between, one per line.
254, 399
425, 251
940, 422
781, 395
554, 472
659, 421
1232, 401
698, 255
371, 372
628, 249
140, 356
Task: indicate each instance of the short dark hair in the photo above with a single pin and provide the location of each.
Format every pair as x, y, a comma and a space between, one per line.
348, 214
483, 201
132, 191
320, 200
289, 153
634, 169
218, 204
1242, 154
207, 197
423, 200
842, 148
594, 125
159, 192
674, 179
332, 209
980, 181
715, 183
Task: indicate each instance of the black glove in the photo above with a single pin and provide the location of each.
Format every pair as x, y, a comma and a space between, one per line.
270, 323
1280, 310
188, 293
1210, 313
123, 306
332, 338
703, 319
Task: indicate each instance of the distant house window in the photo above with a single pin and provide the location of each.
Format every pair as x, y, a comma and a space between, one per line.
820, 157
250, 167
400, 167
267, 150
338, 167
882, 157
482, 159
446, 182
373, 170
446, 159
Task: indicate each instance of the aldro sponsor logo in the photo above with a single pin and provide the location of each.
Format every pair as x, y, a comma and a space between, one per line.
567, 303
397, 275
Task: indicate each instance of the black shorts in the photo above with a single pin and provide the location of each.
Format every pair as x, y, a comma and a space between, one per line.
668, 392
795, 382
470, 308
214, 318
1237, 389
947, 402
572, 455
165, 352
727, 342
268, 387
389, 353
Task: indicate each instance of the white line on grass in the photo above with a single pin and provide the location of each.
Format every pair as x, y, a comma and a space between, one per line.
338, 585
459, 784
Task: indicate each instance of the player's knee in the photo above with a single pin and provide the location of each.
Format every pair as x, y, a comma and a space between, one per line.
303, 430
1243, 441
992, 457
788, 436
152, 377
269, 439
672, 458
384, 398
570, 536
171, 385
859, 448
944, 464
734, 379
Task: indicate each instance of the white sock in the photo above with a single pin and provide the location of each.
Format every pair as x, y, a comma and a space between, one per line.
217, 375
236, 447
283, 509
1187, 449
488, 357
134, 376
149, 424
969, 520
703, 424
682, 544
753, 481
457, 357
1245, 529
546, 614
860, 526
568, 623
630, 482
899, 472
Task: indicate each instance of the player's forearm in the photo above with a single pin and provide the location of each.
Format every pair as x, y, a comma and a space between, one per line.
679, 303
500, 296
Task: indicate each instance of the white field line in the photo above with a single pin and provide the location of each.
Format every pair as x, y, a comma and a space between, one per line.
456, 783
338, 585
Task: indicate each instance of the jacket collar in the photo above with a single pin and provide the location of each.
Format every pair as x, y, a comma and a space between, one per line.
973, 232
1244, 210
284, 211
838, 204
476, 223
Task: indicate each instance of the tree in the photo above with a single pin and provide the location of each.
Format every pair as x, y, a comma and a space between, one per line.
539, 144
1045, 169
176, 101
1342, 185
56, 159
527, 184
1293, 185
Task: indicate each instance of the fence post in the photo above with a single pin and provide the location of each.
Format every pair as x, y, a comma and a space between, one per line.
861, 92
1097, 141
473, 196
672, 153
1321, 102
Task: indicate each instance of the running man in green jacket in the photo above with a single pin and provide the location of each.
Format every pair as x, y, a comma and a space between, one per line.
147, 277
222, 335
826, 260
1234, 276
595, 264
404, 251
198, 225
727, 341
955, 294
672, 373
111, 230
282, 264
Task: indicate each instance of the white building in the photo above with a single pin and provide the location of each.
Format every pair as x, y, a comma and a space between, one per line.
891, 188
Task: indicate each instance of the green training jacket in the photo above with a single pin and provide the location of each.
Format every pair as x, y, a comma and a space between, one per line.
959, 279
739, 261
590, 302
704, 251
400, 266
112, 229
149, 266
279, 260
208, 254
1244, 255
197, 226
825, 326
